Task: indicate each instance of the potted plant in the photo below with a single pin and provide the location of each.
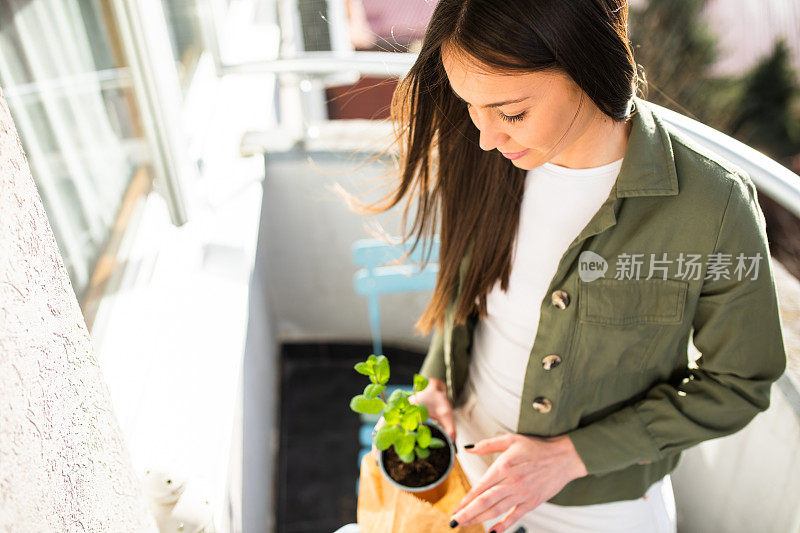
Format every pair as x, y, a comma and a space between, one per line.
416, 453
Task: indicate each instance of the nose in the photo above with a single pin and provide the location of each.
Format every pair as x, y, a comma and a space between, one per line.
490, 136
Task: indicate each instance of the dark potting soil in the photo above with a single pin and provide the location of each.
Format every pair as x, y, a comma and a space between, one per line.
419, 472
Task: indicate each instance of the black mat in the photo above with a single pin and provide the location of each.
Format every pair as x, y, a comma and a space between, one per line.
318, 454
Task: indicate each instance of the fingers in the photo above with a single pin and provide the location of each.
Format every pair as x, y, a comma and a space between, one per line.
516, 513
494, 444
496, 472
449, 425
447, 421
434, 397
445, 415
374, 453
490, 504
437, 384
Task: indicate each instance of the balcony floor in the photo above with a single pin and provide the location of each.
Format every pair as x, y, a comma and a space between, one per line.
317, 491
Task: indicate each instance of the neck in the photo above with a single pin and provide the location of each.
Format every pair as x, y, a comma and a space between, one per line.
586, 152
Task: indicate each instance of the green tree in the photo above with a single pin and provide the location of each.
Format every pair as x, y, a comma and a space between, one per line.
767, 114
674, 44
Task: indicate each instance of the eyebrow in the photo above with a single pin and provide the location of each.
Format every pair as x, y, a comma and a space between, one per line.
496, 104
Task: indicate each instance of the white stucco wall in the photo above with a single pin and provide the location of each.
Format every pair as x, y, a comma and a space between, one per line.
63, 463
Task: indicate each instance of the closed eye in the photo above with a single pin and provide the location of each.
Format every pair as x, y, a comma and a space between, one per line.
514, 118
507, 118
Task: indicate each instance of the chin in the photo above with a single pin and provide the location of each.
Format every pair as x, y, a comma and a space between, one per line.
523, 163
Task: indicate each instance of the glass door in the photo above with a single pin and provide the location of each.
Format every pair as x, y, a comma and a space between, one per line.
69, 90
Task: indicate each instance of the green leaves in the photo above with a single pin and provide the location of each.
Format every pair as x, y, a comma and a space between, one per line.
373, 389
386, 436
398, 400
410, 419
424, 436
407, 457
436, 443
404, 426
362, 404
382, 369
405, 444
376, 367
392, 416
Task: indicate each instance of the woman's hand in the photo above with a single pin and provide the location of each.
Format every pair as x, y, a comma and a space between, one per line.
531, 470
434, 397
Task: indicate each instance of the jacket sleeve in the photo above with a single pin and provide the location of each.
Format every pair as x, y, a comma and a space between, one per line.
433, 364
737, 330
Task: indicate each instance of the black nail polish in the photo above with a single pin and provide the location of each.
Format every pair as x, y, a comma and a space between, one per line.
468, 446
453, 523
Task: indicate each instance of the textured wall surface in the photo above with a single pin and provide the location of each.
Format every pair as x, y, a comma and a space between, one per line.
63, 464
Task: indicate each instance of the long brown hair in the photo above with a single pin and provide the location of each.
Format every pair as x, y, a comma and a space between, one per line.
478, 193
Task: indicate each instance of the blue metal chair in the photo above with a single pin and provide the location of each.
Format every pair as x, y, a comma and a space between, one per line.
376, 278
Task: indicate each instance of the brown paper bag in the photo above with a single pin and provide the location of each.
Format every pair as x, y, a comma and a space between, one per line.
383, 508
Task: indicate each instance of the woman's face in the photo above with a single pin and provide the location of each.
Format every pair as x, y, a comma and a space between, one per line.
529, 117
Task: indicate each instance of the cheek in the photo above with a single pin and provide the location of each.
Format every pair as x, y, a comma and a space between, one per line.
540, 130
530, 134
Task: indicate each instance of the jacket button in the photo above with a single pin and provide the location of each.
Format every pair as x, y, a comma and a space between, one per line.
542, 404
560, 299
550, 361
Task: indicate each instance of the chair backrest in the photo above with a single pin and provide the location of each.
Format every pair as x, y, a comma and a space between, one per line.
377, 278
374, 252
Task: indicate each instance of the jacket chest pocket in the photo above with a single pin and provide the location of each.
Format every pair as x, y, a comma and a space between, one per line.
621, 323
614, 302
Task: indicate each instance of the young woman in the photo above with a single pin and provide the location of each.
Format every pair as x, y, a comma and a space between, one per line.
583, 243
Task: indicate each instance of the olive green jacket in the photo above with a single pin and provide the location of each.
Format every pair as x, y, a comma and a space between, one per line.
623, 387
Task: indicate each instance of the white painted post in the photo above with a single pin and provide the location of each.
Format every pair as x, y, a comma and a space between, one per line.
63, 463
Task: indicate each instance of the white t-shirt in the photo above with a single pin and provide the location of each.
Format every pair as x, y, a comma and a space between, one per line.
557, 203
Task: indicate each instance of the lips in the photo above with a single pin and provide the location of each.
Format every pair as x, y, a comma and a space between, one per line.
514, 155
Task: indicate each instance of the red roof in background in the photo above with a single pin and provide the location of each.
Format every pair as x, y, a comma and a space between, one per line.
400, 21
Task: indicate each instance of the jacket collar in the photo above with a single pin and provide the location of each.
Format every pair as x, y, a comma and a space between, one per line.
648, 166
648, 169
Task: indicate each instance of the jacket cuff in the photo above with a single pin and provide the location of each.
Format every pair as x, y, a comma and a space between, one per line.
615, 442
